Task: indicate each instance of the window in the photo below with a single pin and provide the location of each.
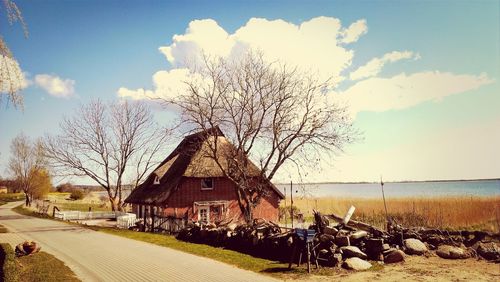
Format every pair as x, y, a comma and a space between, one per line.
207, 184
157, 180
203, 215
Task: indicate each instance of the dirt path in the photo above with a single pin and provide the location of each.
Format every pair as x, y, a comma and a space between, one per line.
96, 256
420, 268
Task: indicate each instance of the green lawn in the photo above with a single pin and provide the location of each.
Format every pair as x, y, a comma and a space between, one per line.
43, 267
11, 197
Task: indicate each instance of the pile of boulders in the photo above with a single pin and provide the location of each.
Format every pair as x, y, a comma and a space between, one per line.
350, 244
365, 242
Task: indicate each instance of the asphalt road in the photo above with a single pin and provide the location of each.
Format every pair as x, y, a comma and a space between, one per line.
97, 256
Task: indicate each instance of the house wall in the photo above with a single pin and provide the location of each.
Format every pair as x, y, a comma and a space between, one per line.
180, 202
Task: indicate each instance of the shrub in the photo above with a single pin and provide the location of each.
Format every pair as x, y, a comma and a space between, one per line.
8, 271
65, 187
76, 195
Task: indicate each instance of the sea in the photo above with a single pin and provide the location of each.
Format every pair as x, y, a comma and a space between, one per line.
462, 188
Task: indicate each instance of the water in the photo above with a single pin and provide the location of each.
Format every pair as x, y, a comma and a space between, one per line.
398, 189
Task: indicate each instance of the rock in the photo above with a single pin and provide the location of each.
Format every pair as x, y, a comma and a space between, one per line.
375, 245
374, 248
353, 251
394, 256
337, 259
415, 246
385, 247
451, 252
330, 230
489, 251
358, 235
356, 264
342, 241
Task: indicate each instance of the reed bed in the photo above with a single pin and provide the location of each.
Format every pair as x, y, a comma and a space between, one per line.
468, 213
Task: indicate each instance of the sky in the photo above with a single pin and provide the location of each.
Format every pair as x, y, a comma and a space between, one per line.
421, 78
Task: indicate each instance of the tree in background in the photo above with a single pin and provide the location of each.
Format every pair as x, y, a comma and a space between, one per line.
27, 166
11, 76
108, 143
270, 112
65, 188
41, 184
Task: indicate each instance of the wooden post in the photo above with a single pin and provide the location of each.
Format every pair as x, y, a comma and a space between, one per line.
284, 189
383, 196
291, 201
144, 219
152, 208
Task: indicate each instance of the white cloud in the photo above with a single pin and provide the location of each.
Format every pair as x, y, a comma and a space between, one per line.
374, 66
12, 78
402, 91
316, 45
55, 86
167, 84
354, 31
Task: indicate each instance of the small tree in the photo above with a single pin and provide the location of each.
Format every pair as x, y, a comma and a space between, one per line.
76, 195
65, 187
107, 142
42, 184
27, 165
271, 113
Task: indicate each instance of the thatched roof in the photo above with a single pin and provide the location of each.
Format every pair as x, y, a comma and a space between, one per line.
191, 158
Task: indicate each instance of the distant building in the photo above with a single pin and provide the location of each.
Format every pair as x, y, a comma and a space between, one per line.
188, 184
4, 190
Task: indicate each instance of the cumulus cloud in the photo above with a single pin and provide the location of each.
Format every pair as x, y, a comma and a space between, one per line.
379, 94
318, 45
55, 86
167, 84
375, 65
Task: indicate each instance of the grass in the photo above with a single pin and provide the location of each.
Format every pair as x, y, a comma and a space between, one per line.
24, 211
79, 206
37, 267
472, 213
11, 197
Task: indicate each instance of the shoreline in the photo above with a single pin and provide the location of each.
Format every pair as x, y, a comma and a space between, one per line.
401, 181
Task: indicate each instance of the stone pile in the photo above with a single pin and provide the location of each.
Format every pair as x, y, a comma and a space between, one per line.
349, 244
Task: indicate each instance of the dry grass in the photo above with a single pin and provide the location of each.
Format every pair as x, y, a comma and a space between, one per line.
479, 213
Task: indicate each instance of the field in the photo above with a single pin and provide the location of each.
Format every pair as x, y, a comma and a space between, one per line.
469, 213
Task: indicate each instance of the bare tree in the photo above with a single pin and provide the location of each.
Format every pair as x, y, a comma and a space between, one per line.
26, 161
11, 77
270, 113
108, 143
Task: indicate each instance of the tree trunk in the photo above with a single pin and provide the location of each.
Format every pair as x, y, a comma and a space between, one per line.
115, 206
27, 200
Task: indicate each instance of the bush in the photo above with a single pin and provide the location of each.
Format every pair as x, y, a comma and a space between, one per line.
8, 271
65, 188
76, 195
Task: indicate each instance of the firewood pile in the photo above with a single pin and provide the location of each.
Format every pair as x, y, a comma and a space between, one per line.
343, 242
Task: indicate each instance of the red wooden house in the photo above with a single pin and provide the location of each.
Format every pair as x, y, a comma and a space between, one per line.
189, 184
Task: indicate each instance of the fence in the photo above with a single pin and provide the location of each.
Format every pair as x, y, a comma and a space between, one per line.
168, 224
124, 220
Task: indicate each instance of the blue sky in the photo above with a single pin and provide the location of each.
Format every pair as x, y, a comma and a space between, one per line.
445, 124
